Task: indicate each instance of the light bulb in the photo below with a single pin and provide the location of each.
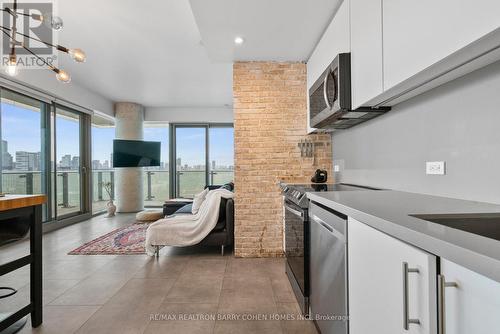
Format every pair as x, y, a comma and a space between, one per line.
78, 55
63, 76
52, 21
239, 40
11, 67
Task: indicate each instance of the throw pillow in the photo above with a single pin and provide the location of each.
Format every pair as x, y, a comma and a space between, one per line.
198, 200
228, 186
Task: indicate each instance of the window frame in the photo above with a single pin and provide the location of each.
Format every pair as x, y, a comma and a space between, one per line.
173, 191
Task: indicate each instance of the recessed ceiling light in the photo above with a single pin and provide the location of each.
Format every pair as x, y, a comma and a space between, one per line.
238, 40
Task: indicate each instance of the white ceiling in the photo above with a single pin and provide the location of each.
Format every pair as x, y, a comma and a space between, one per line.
151, 52
281, 30
147, 52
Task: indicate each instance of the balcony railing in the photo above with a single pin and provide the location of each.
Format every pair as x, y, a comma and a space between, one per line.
156, 185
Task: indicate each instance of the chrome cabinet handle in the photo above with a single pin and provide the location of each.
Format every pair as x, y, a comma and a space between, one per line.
325, 90
295, 212
406, 308
442, 284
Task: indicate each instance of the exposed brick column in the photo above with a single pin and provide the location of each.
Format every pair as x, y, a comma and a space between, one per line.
270, 119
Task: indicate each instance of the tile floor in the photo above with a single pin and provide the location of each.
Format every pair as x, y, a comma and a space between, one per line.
138, 294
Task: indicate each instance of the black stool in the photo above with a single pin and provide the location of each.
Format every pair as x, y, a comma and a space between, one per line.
10, 232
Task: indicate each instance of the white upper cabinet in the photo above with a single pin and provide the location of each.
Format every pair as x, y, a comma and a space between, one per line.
335, 40
366, 51
381, 293
473, 305
418, 34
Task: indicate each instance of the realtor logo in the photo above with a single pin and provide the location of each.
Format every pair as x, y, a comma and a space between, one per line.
24, 26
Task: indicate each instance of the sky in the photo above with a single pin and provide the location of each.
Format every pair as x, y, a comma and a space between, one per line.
21, 128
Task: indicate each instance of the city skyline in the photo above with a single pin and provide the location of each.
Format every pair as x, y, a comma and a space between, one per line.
21, 131
28, 161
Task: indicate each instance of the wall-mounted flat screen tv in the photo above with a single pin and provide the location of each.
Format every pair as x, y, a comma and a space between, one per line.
136, 153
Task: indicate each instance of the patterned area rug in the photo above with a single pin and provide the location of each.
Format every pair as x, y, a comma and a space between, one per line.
128, 240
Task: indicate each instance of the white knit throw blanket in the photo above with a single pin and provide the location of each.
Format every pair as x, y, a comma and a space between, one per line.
186, 229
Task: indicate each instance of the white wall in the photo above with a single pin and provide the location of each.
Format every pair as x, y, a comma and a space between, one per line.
189, 115
458, 123
45, 81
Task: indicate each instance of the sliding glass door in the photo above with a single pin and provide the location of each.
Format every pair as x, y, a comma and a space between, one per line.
71, 162
24, 150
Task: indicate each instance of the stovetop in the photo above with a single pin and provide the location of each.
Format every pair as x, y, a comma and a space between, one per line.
296, 193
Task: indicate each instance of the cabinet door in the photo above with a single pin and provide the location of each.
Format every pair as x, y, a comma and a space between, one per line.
473, 306
335, 40
366, 51
376, 304
417, 34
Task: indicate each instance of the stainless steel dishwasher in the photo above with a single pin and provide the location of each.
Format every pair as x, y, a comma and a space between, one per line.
328, 269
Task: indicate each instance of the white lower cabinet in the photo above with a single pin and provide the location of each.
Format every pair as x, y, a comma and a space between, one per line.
383, 296
472, 306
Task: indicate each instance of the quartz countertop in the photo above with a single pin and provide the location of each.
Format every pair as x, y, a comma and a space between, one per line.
389, 211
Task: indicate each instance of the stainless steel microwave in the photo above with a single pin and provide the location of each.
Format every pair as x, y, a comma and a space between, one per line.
330, 98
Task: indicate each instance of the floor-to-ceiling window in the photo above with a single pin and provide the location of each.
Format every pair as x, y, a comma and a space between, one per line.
157, 179
221, 154
43, 151
190, 160
45, 148
23, 145
203, 155
102, 133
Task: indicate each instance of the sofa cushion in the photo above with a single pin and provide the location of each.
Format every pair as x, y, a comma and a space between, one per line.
220, 226
185, 209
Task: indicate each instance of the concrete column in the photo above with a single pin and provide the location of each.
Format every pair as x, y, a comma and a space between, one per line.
129, 118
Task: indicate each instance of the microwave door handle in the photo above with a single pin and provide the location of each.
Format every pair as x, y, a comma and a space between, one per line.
325, 90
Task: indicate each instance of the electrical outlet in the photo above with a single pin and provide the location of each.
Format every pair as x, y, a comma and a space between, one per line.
336, 168
435, 168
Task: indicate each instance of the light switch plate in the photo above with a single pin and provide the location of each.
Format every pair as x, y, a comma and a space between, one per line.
336, 168
435, 168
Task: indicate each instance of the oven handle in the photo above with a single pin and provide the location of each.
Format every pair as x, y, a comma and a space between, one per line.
295, 212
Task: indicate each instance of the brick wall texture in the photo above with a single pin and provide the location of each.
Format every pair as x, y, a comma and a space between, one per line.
270, 119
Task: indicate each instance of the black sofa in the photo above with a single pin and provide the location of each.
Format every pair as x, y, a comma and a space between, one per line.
223, 233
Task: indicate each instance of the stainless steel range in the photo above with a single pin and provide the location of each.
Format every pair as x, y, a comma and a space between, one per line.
297, 235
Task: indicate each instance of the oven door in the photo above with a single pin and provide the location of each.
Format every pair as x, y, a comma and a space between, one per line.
296, 240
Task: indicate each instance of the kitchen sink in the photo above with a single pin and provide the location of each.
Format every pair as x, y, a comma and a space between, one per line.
484, 224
